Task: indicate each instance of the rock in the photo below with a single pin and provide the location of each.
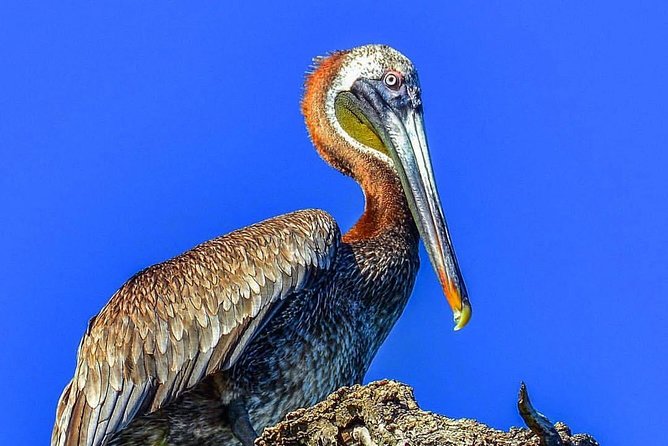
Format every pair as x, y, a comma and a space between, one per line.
385, 413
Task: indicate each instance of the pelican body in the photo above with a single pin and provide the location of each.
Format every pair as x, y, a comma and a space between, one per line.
210, 347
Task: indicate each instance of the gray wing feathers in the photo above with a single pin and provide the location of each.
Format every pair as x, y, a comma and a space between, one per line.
176, 322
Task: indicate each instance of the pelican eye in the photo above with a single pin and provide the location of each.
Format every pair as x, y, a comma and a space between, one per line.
393, 80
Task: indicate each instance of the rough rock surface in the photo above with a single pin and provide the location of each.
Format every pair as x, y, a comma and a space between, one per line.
385, 413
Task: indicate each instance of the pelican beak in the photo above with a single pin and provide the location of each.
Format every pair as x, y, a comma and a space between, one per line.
398, 121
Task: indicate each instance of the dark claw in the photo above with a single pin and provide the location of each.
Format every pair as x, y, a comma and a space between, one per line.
536, 421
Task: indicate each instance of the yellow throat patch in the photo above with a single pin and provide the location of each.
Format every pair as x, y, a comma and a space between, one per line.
355, 123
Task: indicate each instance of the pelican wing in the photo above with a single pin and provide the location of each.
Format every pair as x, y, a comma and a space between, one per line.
174, 323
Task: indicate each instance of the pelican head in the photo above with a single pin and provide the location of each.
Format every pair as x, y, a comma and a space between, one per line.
371, 99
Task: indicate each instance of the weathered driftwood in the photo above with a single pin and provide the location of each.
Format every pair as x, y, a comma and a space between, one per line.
384, 413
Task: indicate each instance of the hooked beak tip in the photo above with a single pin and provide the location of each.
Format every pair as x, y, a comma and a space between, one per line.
462, 316
461, 308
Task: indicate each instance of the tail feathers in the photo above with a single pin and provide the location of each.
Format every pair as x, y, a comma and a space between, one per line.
79, 424
75, 419
63, 415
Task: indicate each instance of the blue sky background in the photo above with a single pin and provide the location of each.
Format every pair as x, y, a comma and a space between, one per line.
129, 132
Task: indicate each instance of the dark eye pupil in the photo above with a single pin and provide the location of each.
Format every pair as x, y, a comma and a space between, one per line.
393, 81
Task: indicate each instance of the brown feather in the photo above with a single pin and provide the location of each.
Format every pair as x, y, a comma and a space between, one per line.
178, 321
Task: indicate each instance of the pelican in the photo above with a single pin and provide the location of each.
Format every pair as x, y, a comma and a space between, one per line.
219, 342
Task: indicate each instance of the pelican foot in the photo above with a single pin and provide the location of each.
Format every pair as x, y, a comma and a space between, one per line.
240, 423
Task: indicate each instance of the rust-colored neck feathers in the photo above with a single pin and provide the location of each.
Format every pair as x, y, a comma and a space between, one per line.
385, 204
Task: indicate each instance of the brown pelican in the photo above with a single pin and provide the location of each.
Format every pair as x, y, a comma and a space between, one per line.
219, 342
